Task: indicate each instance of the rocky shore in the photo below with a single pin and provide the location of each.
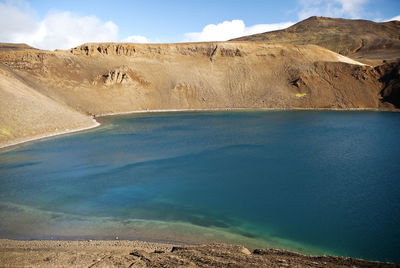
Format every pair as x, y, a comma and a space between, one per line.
50, 253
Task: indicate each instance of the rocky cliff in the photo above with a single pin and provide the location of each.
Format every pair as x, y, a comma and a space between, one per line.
95, 79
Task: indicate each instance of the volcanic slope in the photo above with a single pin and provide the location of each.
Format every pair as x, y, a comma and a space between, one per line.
49, 91
358, 39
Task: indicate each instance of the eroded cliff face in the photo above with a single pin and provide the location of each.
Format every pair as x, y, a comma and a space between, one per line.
390, 77
136, 50
95, 79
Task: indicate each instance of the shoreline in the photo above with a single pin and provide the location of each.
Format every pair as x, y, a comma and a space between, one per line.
111, 253
19, 141
246, 109
49, 135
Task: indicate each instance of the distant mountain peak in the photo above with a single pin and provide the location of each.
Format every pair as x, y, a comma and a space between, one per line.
360, 39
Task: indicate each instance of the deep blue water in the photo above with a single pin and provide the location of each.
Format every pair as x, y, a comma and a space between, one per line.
316, 182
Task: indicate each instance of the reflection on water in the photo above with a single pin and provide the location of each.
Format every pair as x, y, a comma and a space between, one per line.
316, 182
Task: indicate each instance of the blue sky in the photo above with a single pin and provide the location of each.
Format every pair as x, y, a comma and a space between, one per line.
62, 24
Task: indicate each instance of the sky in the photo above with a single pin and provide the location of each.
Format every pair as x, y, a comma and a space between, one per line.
66, 24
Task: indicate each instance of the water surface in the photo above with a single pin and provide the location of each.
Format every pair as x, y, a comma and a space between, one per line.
314, 182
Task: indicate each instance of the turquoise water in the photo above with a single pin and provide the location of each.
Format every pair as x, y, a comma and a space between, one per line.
314, 182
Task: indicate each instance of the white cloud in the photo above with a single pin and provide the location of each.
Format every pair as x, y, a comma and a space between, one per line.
15, 22
331, 8
395, 18
60, 30
231, 29
386, 20
136, 39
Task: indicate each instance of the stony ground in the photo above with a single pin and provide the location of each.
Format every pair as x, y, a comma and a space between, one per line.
146, 254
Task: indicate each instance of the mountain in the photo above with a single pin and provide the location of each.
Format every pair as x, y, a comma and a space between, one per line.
49, 92
358, 39
14, 46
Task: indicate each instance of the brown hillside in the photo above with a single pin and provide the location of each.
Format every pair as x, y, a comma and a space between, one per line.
49, 91
13, 46
361, 39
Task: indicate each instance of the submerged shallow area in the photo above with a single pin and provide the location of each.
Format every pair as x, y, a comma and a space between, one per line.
313, 182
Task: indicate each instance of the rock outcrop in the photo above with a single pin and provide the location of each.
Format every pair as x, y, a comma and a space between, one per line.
119, 76
390, 77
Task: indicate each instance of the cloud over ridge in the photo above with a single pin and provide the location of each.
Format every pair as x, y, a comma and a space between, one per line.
19, 23
231, 29
135, 39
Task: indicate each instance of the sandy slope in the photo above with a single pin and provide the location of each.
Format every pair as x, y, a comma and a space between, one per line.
26, 114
